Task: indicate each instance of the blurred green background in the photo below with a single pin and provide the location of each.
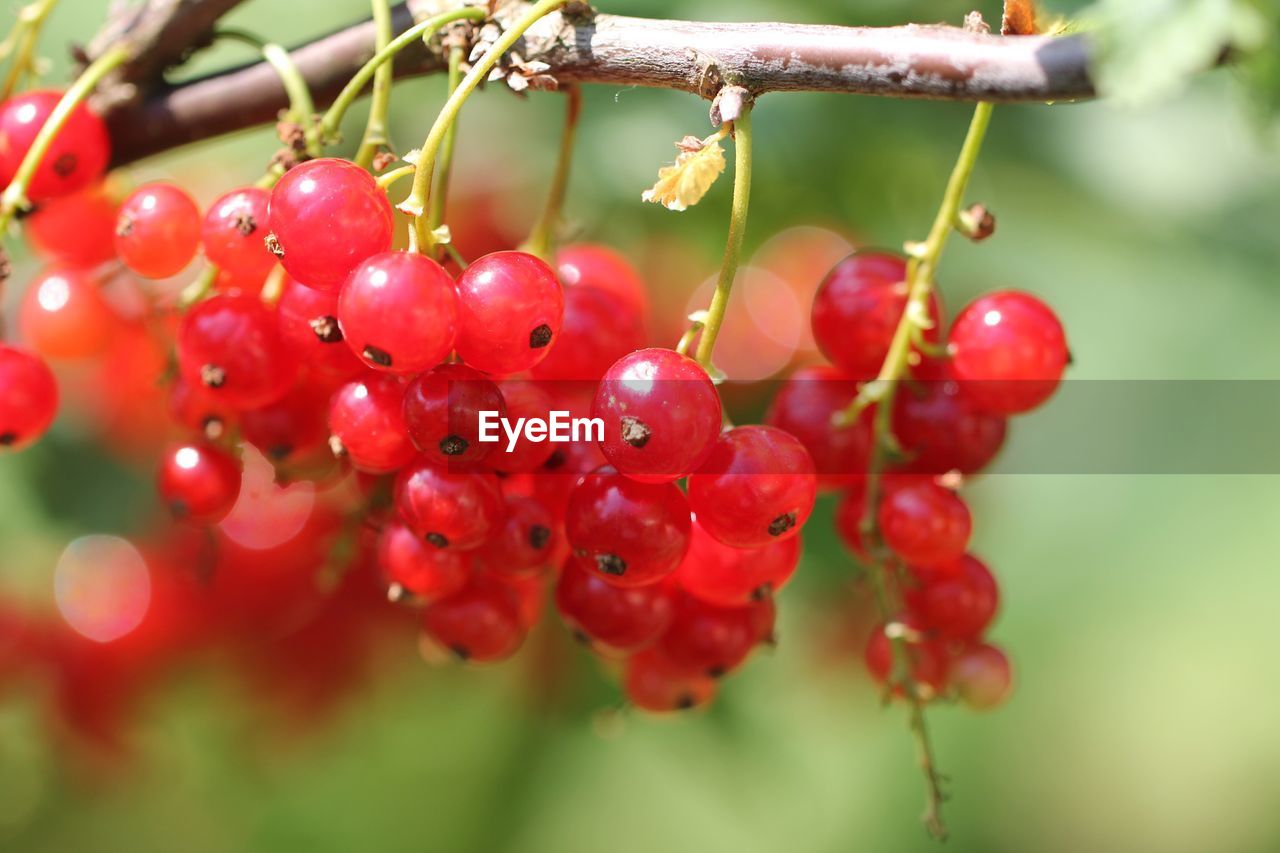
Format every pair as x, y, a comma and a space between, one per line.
1139, 610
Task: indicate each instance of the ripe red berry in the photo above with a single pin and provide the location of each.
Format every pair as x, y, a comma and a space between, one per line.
805, 407
199, 482
157, 230
291, 427
732, 577
230, 344
613, 618
712, 640
589, 265
28, 398
198, 409
981, 674
233, 232
398, 312
1008, 352
925, 524
661, 415
926, 656
480, 623
958, 601
510, 308
327, 216
64, 316
442, 412
757, 486
449, 509
366, 424
524, 543
653, 683
418, 568
631, 533
78, 229
560, 474
308, 324
599, 328
940, 430
523, 399
857, 309
79, 153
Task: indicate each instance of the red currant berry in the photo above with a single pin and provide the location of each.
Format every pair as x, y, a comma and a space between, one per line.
199, 482
757, 486
291, 427
327, 216
1008, 352
79, 153
925, 524
28, 398
631, 533
230, 344
398, 312
449, 509
233, 233
157, 230
806, 406
366, 424
599, 328
480, 623
958, 601
982, 676
588, 265
411, 565
63, 315
655, 684
712, 640
661, 415
523, 400
308, 323
927, 658
442, 412
197, 408
79, 229
510, 307
524, 543
732, 577
942, 431
564, 469
618, 619
857, 309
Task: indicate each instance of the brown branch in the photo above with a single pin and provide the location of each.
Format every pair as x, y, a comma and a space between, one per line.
906, 62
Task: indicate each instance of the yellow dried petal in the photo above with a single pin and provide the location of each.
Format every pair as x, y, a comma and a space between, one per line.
684, 183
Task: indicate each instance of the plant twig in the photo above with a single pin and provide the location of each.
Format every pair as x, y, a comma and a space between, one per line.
375, 128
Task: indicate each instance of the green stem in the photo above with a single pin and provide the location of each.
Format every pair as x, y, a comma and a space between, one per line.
416, 204
15, 195
333, 116
441, 195
542, 237
198, 289
375, 128
22, 41
301, 106
737, 230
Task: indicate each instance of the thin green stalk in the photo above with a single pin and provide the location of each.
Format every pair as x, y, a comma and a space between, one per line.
737, 230
542, 237
15, 195
22, 43
375, 128
332, 118
301, 106
198, 289
441, 195
416, 204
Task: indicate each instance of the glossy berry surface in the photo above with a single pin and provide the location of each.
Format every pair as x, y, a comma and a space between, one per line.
198, 409
398, 312
327, 216
805, 406
289, 428
619, 619
77, 157
525, 541
366, 424
28, 398
480, 623
199, 482
157, 230
661, 414
78, 229
419, 568
1008, 352
940, 430
857, 309
732, 577
630, 533
449, 509
712, 640
756, 486
308, 325
442, 413
510, 309
925, 524
591, 265
958, 601
653, 683
982, 676
230, 344
599, 328
64, 316
234, 230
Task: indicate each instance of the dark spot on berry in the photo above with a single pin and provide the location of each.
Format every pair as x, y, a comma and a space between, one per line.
716, 671
635, 432
326, 329
179, 509
782, 524
581, 636
246, 224
540, 337
611, 564
124, 225
771, 640
273, 245
213, 376
555, 460
65, 166
437, 540
280, 452
685, 701
453, 445
380, 357
539, 536
337, 447
8, 438
1071, 358
762, 592
461, 652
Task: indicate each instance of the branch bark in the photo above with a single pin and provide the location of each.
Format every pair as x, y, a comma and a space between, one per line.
912, 61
